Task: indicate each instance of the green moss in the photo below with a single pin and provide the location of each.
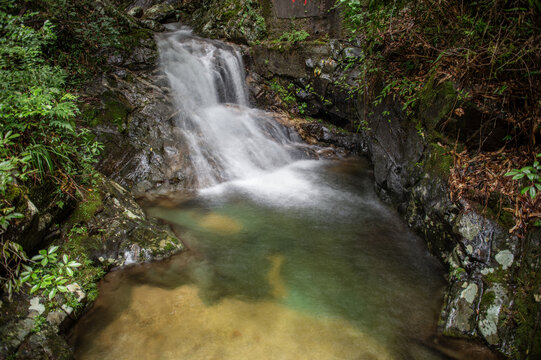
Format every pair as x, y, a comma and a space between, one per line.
116, 112
89, 114
169, 247
86, 209
499, 276
229, 14
488, 299
15, 196
78, 247
506, 219
526, 310
133, 39
495, 205
439, 162
435, 102
14, 193
527, 339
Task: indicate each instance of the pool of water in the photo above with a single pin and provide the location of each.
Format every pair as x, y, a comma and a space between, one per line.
319, 272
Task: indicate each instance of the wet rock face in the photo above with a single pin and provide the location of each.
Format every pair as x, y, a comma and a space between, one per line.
354, 143
137, 123
129, 236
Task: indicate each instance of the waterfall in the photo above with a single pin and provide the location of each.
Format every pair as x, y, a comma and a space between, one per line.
227, 139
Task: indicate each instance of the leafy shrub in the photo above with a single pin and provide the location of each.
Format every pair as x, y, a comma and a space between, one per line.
488, 42
49, 274
12, 257
529, 176
39, 138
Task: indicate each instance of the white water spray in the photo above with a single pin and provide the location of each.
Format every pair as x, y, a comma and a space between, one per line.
227, 139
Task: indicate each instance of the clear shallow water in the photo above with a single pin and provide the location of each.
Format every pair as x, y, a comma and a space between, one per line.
289, 259
336, 276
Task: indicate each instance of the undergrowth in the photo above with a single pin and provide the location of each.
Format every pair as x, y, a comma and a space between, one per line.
489, 49
41, 139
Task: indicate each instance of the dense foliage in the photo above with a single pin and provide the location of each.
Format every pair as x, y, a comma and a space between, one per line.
489, 48
39, 137
490, 51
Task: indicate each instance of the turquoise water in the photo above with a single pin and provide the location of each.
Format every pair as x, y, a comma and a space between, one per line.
335, 275
288, 258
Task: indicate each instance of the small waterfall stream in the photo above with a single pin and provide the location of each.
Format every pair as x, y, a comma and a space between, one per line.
227, 139
290, 258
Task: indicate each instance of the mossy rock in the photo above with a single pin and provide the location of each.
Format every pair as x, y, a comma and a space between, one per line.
435, 102
86, 209
232, 19
15, 195
160, 12
439, 162
115, 111
137, 37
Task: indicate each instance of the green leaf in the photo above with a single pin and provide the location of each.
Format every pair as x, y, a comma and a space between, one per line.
74, 264
69, 271
52, 249
524, 190
34, 288
518, 176
27, 268
538, 186
65, 258
62, 288
532, 192
45, 261
52, 293
37, 257
62, 124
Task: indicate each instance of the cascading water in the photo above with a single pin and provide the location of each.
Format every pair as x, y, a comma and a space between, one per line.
289, 258
228, 140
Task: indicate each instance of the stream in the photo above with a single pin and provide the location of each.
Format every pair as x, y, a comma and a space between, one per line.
289, 256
